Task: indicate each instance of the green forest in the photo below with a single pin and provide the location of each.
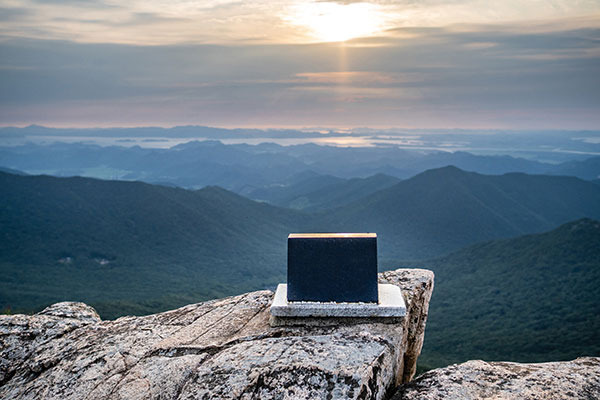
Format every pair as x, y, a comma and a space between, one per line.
530, 299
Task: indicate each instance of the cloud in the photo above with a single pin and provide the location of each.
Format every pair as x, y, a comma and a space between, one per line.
160, 22
469, 76
11, 13
354, 78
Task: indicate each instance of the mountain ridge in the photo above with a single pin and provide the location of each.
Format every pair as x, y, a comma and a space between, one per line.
532, 298
148, 248
245, 168
414, 211
115, 234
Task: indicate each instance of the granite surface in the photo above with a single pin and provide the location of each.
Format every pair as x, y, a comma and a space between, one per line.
220, 349
475, 380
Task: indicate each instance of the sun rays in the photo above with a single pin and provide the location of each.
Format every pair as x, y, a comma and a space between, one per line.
334, 22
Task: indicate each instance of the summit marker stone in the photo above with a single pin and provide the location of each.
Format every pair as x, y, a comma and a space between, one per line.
334, 275
332, 267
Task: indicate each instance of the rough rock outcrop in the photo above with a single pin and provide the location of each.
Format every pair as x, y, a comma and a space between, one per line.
218, 349
577, 379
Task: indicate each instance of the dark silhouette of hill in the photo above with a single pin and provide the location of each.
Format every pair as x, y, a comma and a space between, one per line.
131, 247
444, 209
532, 298
12, 171
584, 169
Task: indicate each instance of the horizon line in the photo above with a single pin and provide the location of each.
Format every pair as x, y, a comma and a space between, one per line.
306, 129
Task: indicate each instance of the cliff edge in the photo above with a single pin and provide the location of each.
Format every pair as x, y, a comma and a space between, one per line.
218, 349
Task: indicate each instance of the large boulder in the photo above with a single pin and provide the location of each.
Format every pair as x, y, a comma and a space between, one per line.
218, 349
577, 379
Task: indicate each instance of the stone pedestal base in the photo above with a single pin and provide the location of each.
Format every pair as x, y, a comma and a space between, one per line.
391, 304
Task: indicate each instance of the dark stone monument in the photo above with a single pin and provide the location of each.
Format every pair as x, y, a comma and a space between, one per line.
332, 267
332, 278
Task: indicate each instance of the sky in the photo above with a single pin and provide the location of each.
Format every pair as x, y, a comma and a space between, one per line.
474, 64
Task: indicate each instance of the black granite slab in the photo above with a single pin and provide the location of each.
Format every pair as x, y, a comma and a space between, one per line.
332, 267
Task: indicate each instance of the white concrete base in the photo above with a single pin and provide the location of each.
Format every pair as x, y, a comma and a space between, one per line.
391, 304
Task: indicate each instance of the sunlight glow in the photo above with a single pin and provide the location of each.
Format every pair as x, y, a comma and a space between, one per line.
334, 22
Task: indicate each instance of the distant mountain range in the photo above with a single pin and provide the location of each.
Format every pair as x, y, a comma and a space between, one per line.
543, 145
586, 169
311, 191
264, 171
532, 298
131, 247
12, 171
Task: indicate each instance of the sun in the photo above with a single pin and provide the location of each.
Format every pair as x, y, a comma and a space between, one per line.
334, 22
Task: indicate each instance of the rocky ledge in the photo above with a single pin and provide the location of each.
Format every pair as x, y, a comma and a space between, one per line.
219, 349
577, 379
